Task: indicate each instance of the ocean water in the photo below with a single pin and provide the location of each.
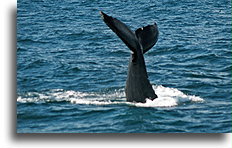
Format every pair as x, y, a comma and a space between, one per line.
72, 69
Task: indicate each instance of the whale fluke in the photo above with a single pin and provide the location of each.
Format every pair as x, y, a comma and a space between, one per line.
123, 32
138, 87
147, 36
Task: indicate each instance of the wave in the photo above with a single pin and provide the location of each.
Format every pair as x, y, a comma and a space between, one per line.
167, 97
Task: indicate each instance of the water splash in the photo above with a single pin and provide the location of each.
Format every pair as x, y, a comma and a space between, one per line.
167, 97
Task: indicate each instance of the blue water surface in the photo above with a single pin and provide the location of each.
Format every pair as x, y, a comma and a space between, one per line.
65, 52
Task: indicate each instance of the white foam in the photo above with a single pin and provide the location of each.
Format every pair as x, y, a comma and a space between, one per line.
94, 102
167, 97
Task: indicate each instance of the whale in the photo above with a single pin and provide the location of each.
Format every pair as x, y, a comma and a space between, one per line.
138, 87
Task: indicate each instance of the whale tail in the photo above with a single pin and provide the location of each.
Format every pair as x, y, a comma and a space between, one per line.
145, 37
138, 87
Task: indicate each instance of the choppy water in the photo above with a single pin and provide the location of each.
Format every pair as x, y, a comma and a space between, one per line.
71, 68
